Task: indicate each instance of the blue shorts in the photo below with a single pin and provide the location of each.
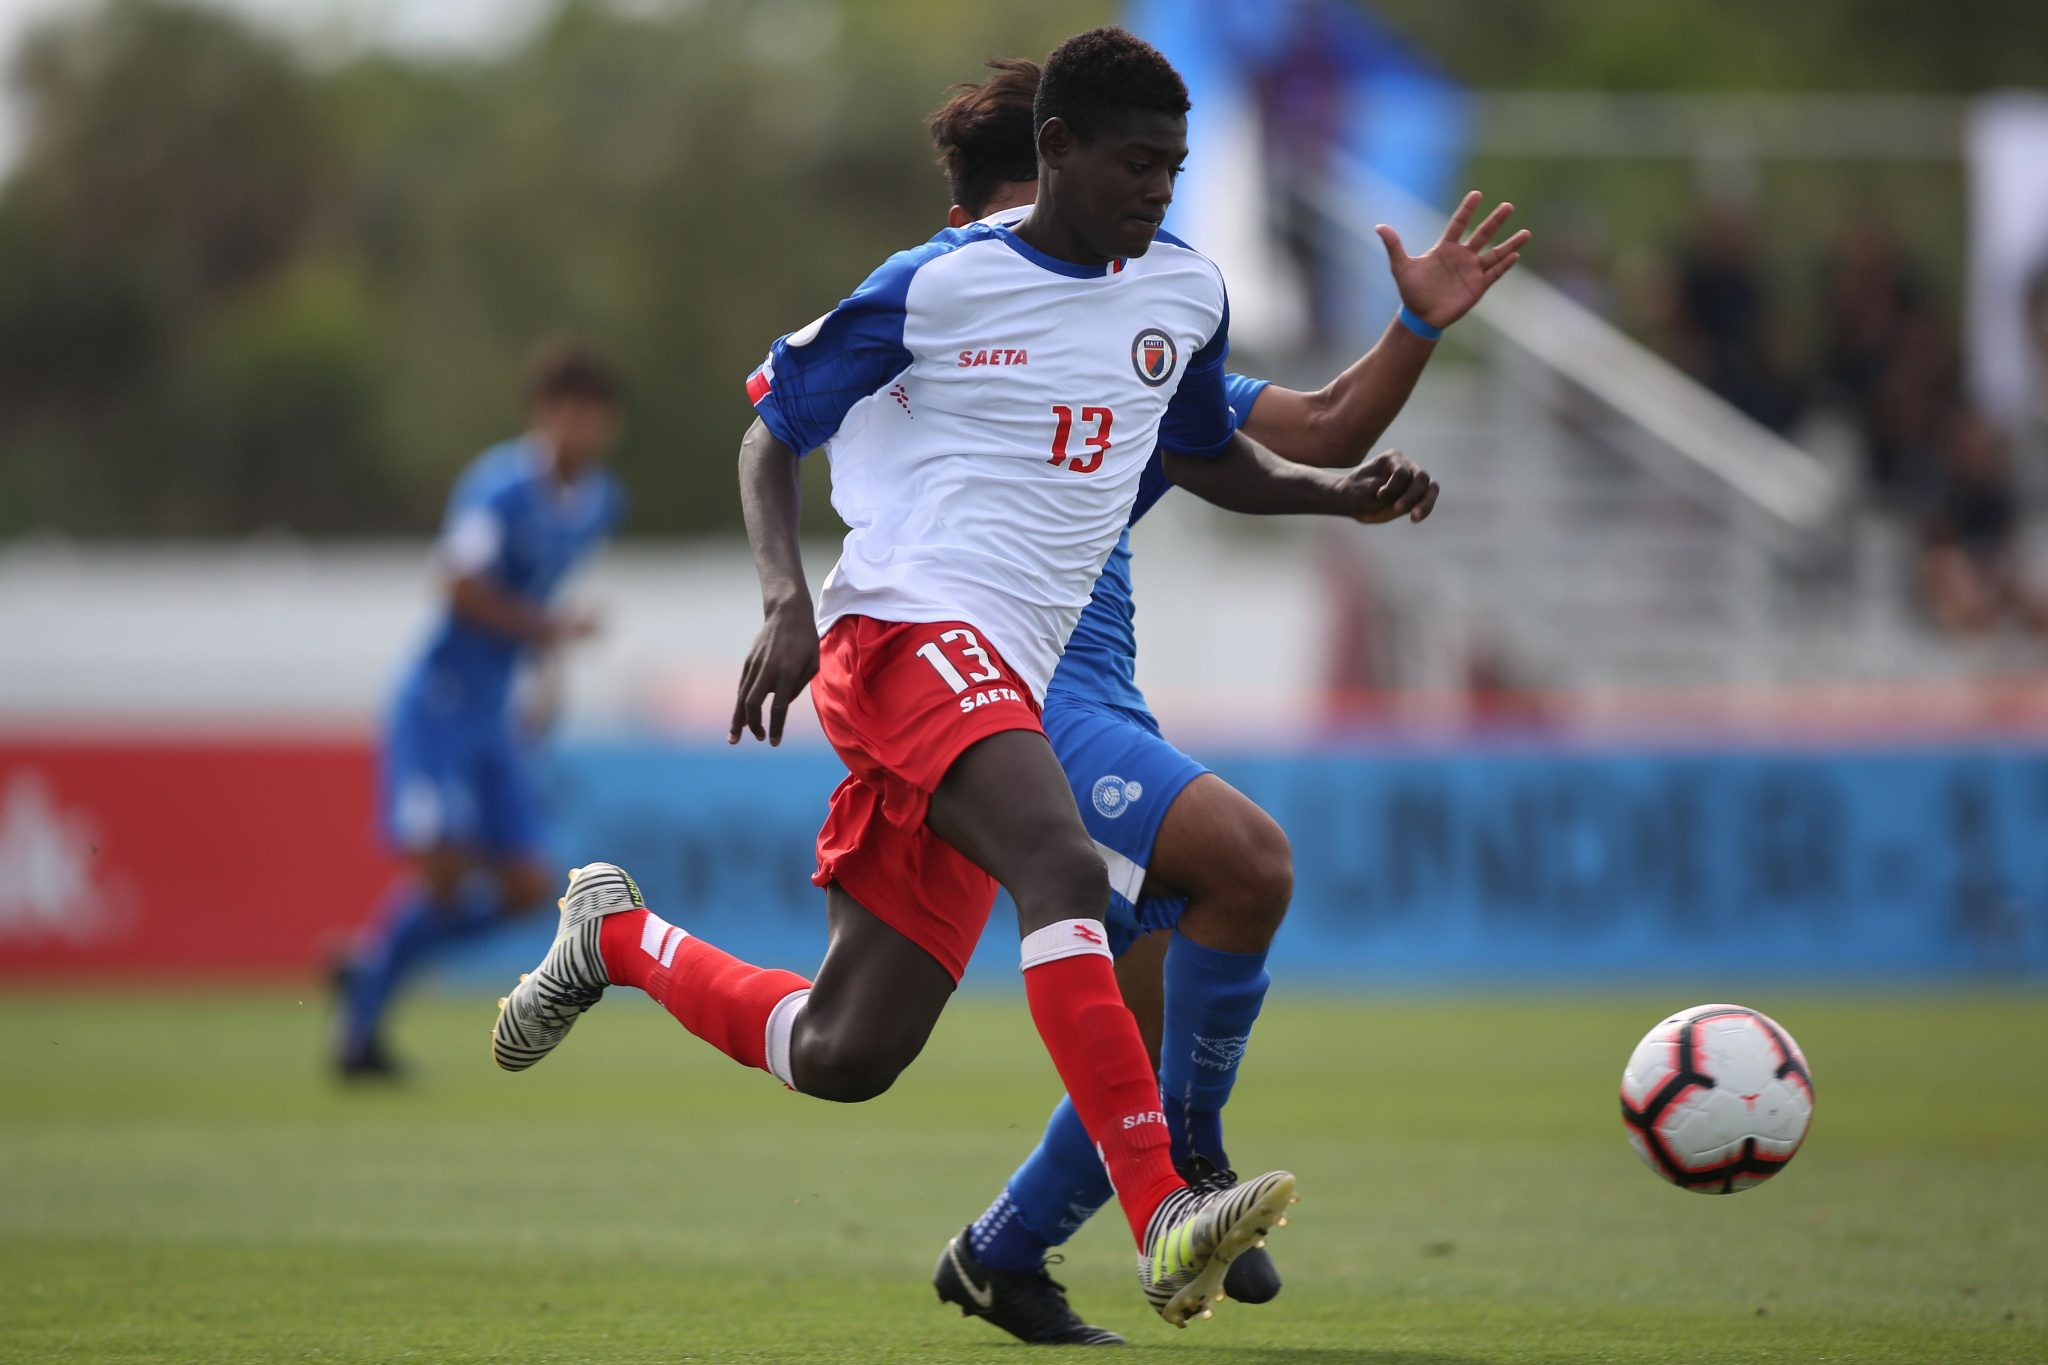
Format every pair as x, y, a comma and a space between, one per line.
1124, 776
469, 784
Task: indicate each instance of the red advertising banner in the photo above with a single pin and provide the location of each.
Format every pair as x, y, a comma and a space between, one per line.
182, 857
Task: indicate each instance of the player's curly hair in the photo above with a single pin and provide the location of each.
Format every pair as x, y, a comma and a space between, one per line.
982, 132
563, 367
1093, 76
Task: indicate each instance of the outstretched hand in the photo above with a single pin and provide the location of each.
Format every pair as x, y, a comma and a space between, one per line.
1388, 487
781, 664
1442, 284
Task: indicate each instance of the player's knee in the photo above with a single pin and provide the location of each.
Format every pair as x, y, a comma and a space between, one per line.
1263, 870
1083, 881
1067, 881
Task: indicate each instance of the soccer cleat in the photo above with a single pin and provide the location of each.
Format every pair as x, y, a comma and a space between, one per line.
1252, 1277
1031, 1308
369, 1062
571, 978
1195, 1235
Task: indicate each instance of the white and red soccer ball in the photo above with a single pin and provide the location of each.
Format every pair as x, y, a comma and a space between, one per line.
1717, 1099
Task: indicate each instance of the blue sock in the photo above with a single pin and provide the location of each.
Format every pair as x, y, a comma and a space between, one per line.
411, 928
1193, 1132
1057, 1189
1212, 1000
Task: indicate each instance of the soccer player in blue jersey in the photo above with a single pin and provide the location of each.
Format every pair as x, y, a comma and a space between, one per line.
1200, 876
458, 794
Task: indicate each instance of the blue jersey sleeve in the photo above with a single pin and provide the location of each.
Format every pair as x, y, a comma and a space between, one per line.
473, 530
1152, 486
1198, 421
1242, 390
812, 378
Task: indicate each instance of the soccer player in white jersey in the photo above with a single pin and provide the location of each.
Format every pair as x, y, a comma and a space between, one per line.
990, 402
1200, 875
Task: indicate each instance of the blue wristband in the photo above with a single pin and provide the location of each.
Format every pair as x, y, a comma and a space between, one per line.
1414, 323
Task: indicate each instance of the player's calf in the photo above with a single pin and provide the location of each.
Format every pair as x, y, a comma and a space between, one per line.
847, 1070
876, 998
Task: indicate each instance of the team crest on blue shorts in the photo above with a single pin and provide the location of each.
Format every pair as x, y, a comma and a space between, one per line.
1153, 356
1113, 796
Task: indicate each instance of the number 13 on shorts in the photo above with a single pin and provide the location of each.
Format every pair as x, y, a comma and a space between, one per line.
971, 653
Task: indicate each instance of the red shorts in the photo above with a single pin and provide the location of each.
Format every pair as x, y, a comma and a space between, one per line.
900, 702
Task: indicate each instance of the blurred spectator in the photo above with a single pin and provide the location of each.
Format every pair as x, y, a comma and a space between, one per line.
1577, 260
1301, 98
1878, 333
1722, 327
1575, 252
1971, 576
1912, 401
2037, 340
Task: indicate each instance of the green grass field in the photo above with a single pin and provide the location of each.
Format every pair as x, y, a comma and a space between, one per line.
181, 1183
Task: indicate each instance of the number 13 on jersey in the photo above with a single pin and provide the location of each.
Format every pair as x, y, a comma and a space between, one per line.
1095, 436
971, 652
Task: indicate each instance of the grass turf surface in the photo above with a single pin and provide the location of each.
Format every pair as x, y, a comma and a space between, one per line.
181, 1183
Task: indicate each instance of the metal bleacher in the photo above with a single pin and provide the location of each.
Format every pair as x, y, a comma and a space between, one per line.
1617, 530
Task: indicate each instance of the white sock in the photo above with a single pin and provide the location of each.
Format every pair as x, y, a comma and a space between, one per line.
781, 1024
1065, 938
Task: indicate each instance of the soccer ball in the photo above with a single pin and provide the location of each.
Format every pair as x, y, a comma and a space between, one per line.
1716, 1099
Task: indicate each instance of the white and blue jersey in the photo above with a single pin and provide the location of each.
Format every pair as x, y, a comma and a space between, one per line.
990, 413
1123, 772
455, 769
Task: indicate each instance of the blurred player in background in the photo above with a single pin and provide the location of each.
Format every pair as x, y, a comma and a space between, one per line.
1200, 876
459, 797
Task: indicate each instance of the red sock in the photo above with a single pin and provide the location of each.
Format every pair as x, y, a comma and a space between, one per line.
726, 1002
1095, 1046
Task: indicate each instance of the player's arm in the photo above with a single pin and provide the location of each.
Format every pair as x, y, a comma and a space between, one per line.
784, 658
1336, 424
546, 688
1246, 478
1202, 450
482, 603
801, 393
468, 553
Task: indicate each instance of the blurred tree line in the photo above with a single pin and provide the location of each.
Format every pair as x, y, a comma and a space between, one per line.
240, 289
246, 287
